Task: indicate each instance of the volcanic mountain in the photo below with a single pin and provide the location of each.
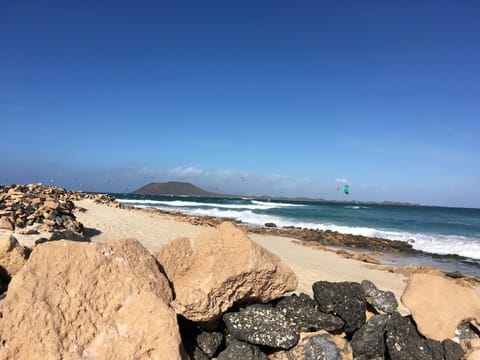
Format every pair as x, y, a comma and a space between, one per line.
173, 188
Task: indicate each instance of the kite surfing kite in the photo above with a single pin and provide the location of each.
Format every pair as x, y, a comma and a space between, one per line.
346, 189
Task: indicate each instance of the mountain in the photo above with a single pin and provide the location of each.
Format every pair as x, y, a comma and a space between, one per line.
173, 188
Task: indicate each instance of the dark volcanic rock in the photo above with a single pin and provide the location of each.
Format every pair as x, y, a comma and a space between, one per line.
320, 345
332, 238
198, 354
452, 350
344, 299
467, 331
262, 325
382, 301
239, 350
303, 311
405, 343
368, 341
209, 342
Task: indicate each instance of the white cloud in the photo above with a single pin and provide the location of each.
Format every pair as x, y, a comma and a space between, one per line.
342, 181
185, 172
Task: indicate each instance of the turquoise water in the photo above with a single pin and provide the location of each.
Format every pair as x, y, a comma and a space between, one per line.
437, 230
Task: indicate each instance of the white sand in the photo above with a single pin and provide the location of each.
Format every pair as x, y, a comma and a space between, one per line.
155, 229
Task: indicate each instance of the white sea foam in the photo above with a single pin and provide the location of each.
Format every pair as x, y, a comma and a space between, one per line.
254, 205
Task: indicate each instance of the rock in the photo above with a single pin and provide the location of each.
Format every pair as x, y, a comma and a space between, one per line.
51, 204
89, 300
455, 274
466, 331
198, 354
368, 341
343, 299
270, 225
382, 301
6, 224
452, 350
237, 350
474, 355
405, 343
261, 324
303, 312
209, 342
318, 345
12, 255
438, 305
248, 272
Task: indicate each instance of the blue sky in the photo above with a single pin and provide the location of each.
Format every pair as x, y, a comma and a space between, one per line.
251, 97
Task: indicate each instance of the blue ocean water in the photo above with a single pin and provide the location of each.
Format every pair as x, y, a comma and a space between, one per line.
438, 230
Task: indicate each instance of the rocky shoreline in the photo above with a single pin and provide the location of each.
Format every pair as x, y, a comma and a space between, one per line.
217, 296
349, 245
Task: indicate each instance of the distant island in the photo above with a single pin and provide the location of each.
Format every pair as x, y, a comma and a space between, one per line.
173, 188
177, 188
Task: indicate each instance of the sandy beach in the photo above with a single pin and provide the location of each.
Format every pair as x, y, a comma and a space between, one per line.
153, 229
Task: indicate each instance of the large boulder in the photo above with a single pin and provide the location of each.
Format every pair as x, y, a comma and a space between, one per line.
262, 324
220, 268
439, 305
89, 300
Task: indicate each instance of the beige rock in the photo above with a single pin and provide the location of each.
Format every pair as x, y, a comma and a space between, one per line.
51, 204
220, 268
471, 348
474, 355
12, 254
317, 345
89, 301
5, 223
438, 305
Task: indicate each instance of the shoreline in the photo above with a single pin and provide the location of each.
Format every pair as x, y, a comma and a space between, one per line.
154, 228
310, 261
391, 253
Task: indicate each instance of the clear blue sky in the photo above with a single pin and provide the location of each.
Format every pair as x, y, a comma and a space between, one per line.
252, 97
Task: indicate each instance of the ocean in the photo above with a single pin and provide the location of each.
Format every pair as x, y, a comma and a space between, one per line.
436, 230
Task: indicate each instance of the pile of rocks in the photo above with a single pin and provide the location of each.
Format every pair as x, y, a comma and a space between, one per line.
34, 207
105, 199
345, 320
334, 238
220, 296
